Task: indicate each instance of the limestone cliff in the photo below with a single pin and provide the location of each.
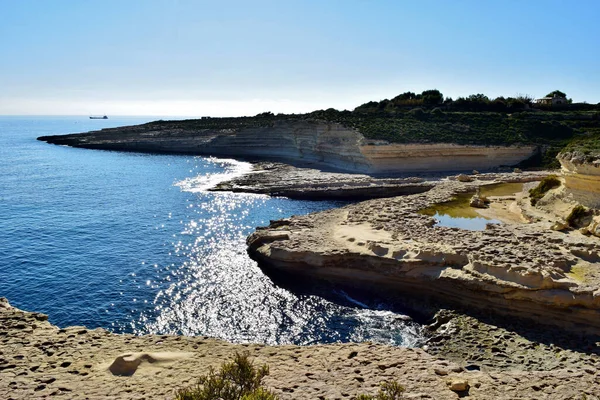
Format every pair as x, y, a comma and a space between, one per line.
582, 177
303, 141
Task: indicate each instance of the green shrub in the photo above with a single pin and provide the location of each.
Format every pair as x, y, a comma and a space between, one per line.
549, 182
576, 214
417, 113
437, 112
389, 391
237, 380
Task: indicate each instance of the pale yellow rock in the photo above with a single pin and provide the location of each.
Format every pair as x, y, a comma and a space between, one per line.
458, 385
594, 227
582, 179
464, 178
559, 226
478, 202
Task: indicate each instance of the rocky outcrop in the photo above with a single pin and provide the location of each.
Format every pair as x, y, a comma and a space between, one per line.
581, 175
524, 269
299, 141
39, 360
276, 179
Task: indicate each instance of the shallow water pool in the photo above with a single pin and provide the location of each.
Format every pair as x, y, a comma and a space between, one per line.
457, 213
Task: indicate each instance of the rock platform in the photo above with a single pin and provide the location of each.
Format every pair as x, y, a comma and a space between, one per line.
39, 360
526, 270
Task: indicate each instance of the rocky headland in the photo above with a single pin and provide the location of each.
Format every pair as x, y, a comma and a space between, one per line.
324, 144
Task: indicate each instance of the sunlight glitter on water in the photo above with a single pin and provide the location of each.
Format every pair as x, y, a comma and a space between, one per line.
216, 290
134, 243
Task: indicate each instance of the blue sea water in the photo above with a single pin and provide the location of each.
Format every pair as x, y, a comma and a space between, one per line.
134, 243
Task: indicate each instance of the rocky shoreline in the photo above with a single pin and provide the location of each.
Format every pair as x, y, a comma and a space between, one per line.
526, 270
297, 141
525, 297
277, 179
39, 360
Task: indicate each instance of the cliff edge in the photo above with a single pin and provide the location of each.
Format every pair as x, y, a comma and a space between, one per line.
525, 270
581, 173
324, 144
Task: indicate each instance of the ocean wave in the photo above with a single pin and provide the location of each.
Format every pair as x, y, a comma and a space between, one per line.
227, 169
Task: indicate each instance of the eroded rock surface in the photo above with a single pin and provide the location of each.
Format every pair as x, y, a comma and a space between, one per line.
581, 174
520, 269
38, 360
278, 179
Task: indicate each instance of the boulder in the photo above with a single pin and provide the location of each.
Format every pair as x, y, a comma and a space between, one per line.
458, 385
594, 227
478, 201
559, 226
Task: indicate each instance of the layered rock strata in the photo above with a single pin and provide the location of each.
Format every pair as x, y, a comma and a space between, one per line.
39, 360
324, 144
581, 174
522, 269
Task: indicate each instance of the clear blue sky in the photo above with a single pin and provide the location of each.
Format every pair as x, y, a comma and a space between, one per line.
193, 57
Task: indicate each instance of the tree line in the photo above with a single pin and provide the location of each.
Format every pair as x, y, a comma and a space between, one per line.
433, 98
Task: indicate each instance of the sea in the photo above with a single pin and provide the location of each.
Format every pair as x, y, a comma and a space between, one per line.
134, 243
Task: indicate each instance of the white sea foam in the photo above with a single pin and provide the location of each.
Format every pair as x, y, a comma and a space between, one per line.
201, 183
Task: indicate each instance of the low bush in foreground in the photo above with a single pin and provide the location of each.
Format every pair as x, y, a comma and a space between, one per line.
236, 380
389, 391
549, 182
241, 380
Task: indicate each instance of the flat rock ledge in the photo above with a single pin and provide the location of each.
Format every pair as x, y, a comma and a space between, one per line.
39, 360
278, 179
525, 270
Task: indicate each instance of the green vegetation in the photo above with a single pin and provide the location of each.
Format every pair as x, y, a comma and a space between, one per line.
389, 391
587, 145
549, 182
576, 214
558, 93
237, 380
241, 380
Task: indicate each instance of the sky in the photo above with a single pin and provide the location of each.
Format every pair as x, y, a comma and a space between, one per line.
234, 57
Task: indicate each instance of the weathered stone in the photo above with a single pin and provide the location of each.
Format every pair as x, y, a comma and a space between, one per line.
594, 227
514, 268
559, 226
464, 178
303, 141
458, 385
478, 202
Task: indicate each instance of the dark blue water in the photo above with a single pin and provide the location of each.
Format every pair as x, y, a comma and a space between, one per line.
133, 243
